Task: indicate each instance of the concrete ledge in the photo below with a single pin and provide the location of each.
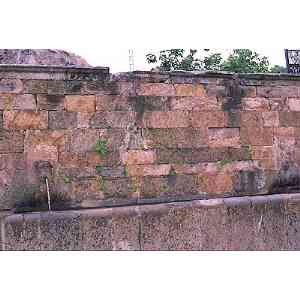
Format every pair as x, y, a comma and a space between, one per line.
240, 223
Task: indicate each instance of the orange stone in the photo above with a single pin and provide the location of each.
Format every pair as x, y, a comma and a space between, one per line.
166, 119
149, 170
80, 103
138, 157
195, 90
25, 120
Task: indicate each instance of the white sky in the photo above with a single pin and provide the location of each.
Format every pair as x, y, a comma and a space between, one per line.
103, 31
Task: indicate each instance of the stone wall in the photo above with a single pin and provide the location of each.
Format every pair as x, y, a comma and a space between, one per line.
245, 223
142, 137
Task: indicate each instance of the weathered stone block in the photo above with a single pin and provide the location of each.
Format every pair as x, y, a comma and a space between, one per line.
97, 229
167, 119
80, 103
233, 119
111, 159
257, 136
155, 89
251, 119
17, 102
208, 119
194, 103
257, 104
154, 186
11, 86
113, 103
193, 90
277, 92
25, 120
11, 141
117, 188
176, 137
175, 229
278, 104
262, 152
270, 119
21, 233
61, 231
216, 181
149, 170
116, 119
83, 140
293, 104
138, 157
125, 231
50, 102
289, 118
62, 119
224, 137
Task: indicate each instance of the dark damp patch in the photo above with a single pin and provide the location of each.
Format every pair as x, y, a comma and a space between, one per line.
234, 94
287, 180
29, 198
138, 104
172, 177
247, 182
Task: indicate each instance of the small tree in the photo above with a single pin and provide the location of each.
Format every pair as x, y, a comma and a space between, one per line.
246, 61
239, 61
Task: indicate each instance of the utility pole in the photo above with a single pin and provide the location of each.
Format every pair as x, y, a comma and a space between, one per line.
131, 60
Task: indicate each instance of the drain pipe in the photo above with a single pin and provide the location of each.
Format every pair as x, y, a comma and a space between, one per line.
48, 193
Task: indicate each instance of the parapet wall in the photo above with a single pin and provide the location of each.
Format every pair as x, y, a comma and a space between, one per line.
142, 137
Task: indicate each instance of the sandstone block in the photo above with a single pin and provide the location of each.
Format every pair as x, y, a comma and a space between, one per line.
176, 137
11, 141
208, 119
193, 90
116, 119
17, 102
83, 119
25, 120
138, 157
257, 104
166, 119
11, 86
194, 103
112, 103
216, 182
155, 89
270, 119
251, 119
80, 103
149, 170
262, 152
277, 92
224, 137
289, 118
293, 104
62, 119
50, 102
257, 136
285, 131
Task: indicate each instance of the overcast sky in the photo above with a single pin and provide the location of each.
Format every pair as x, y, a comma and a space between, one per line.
103, 31
118, 59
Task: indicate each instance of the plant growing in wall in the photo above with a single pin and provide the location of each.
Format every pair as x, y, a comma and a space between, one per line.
101, 147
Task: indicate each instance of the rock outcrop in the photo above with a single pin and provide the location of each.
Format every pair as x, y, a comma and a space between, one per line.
49, 57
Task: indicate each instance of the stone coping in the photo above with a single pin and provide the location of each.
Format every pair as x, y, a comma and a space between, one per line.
207, 74
19, 69
160, 207
43, 68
